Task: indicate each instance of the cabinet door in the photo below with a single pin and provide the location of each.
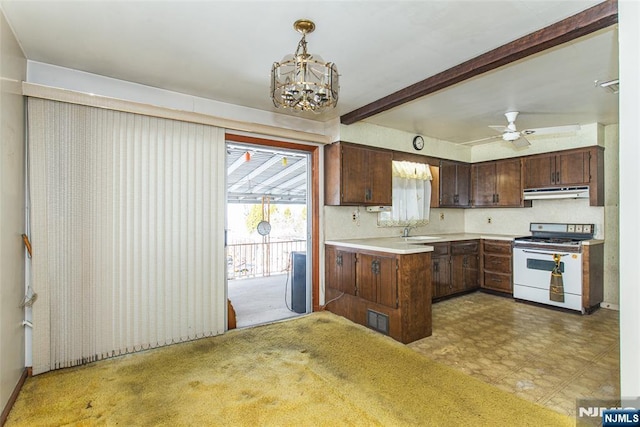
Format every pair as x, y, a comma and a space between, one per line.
355, 175
440, 276
448, 187
470, 272
464, 272
572, 168
508, 183
463, 183
484, 184
377, 279
539, 171
378, 191
340, 267
455, 181
387, 282
330, 267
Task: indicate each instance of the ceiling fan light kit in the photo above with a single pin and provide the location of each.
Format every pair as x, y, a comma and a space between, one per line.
302, 81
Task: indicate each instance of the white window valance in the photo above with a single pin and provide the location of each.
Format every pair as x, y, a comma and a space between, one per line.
411, 170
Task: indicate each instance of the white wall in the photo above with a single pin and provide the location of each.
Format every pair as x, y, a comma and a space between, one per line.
12, 72
629, 39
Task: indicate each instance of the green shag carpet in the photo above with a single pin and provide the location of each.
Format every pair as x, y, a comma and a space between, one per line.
316, 370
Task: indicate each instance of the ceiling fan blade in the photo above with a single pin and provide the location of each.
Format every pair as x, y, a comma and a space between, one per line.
521, 142
482, 141
550, 130
499, 128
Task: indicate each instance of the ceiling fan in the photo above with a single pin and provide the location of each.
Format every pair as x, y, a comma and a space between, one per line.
518, 138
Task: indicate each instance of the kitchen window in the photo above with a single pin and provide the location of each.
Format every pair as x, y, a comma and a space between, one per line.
411, 195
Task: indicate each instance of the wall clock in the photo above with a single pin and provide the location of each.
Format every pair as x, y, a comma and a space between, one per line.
418, 142
264, 228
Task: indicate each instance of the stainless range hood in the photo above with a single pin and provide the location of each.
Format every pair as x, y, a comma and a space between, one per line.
556, 193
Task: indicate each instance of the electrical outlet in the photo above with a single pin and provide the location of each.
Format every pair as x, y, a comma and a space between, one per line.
489, 220
441, 216
354, 216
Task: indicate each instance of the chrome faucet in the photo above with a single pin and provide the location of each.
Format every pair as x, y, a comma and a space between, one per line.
405, 232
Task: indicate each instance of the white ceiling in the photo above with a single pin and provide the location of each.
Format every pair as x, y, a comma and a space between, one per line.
223, 50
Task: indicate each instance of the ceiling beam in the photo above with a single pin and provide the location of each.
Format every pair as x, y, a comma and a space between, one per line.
600, 16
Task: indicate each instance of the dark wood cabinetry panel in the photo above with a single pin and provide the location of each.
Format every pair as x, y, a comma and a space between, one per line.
558, 169
484, 184
464, 266
454, 268
455, 182
582, 166
340, 270
395, 286
379, 178
497, 183
377, 280
357, 176
440, 270
497, 270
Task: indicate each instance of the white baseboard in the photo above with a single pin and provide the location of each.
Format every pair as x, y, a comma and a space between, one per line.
610, 306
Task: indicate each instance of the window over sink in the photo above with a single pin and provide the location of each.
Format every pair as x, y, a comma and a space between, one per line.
411, 195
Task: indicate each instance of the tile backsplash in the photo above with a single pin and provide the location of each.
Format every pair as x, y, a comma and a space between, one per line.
340, 224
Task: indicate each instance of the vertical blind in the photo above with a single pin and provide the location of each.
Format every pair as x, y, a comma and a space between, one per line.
127, 223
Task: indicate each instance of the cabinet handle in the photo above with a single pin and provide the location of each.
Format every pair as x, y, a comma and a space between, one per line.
367, 194
553, 177
497, 198
375, 267
557, 177
495, 279
339, 260
436, 267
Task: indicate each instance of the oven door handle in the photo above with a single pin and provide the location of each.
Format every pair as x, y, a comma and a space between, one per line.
543, 253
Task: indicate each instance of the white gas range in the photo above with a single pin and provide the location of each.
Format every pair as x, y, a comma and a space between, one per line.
533, 263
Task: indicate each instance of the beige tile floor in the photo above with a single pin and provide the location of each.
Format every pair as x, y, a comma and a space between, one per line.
544, 355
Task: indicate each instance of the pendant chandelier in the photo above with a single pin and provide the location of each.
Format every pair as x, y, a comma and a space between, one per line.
304, 82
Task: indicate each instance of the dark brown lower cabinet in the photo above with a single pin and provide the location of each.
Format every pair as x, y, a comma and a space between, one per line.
376, 279
440, 270
497, 268
395, 289
454, 268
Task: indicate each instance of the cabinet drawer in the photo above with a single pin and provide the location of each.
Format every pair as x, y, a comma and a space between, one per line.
496, 247
464, 248
497, 282
497, 263
440, 249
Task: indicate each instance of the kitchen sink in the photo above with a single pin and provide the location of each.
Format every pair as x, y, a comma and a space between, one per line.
420, 238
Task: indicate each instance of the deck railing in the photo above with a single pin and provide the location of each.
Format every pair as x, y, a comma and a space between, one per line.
246, 260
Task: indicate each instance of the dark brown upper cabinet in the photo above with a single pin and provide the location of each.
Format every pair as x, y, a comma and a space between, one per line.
497, 183
583, 166
356, 175
455, 180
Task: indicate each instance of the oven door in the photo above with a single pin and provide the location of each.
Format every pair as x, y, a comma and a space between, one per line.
532, 276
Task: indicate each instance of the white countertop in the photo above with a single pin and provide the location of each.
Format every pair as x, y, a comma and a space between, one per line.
402, 246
